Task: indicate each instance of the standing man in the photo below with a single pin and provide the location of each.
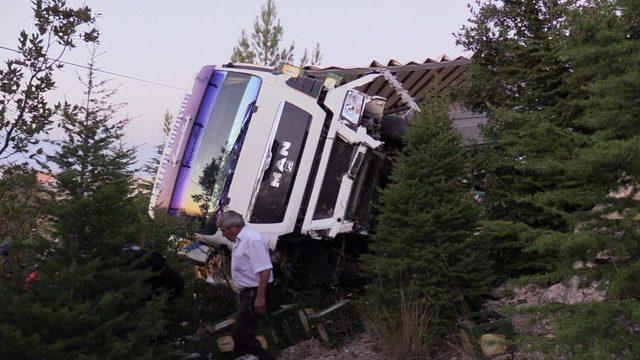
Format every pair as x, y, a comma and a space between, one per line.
251, 272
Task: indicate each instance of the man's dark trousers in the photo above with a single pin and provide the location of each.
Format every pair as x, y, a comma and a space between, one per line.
247, 325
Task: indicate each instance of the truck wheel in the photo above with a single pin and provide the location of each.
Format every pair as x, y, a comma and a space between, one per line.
392, 129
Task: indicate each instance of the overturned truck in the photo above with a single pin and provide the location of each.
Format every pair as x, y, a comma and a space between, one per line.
299, 153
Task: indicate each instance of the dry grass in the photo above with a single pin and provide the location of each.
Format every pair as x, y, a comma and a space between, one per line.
456, 346
406, 329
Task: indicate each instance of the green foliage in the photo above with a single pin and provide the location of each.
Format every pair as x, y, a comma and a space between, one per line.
159, 229
25, 80
90, 298
556, 79
20, 201
425, 244
314, 59
80, 306
516, 63
626, 282
599, 330
559, 82
517, 78
511, 248
590, 330
605, 55
262, 46
94, 168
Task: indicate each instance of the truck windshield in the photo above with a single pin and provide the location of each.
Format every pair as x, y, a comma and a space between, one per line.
214, 143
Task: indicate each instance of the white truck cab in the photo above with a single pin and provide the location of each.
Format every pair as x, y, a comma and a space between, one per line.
292, 154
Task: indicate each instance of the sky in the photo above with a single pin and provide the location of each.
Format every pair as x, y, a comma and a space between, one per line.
169, 41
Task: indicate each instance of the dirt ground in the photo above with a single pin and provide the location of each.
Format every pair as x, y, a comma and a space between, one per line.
364, 346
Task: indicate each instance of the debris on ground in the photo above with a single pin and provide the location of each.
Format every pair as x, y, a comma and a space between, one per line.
534, 295
516, 296
364, 346
572, 294
532, 324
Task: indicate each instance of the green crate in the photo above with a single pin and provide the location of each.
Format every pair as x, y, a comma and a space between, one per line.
337, 323
291, 324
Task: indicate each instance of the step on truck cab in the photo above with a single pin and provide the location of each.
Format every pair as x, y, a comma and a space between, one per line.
293, 154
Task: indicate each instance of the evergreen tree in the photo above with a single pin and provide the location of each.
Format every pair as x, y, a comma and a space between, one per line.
243, 52
424, 246
314, 59
557, 80
518, 78
263, 47
90, 298
24, 82
604, 50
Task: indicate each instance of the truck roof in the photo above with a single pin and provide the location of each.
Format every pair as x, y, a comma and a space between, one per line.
416, 77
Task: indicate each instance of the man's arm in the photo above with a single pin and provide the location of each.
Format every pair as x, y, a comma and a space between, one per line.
261, 303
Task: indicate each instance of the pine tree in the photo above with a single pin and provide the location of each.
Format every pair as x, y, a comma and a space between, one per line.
314, 59
243, 52
90, 298
263, 47
558, 81
518, 78
24, 110
605, 53
424, 246
567, 147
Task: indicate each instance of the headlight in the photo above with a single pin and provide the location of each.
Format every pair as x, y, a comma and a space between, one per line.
353, 106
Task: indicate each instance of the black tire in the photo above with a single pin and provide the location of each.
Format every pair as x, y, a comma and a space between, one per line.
392, 129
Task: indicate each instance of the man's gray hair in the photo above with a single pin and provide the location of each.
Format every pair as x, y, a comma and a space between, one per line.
230, 218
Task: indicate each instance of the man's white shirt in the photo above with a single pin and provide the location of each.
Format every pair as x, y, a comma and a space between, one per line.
249, 256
